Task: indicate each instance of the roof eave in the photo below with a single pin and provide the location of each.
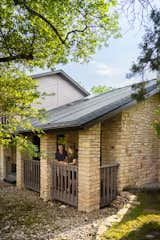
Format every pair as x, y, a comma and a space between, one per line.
102, 117
115, 111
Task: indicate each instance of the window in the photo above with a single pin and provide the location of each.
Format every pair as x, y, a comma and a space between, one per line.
36, 142
61, 139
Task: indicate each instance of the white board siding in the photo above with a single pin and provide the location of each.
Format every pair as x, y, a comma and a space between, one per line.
60, 92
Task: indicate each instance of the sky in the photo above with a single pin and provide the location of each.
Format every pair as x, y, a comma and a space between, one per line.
110, 65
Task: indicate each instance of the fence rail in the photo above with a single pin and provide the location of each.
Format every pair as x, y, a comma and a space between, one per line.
108, 175
65, 183
32, 175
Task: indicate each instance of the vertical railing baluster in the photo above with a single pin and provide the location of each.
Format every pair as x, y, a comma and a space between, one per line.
108, 183
32, 174
65, 183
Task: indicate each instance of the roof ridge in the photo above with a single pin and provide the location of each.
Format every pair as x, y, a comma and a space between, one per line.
129, 85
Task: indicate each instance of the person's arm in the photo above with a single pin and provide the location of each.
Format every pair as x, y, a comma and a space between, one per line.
56, 158
74, 161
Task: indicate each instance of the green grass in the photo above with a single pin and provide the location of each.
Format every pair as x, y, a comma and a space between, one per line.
140, 222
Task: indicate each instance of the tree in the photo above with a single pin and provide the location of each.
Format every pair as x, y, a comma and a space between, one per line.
136, 10
149, 59
44, 33
17, 94
47, 32
99, 89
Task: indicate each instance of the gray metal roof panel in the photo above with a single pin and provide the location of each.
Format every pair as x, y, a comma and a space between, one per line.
88, 109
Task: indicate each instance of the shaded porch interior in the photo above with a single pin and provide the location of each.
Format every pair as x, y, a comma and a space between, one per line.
10, 164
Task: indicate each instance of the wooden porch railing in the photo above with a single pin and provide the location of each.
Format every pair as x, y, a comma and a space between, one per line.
32, 175
108, 176
65, 183
3, 119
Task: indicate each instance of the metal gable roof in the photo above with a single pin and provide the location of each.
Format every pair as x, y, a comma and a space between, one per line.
66, 77
88, 109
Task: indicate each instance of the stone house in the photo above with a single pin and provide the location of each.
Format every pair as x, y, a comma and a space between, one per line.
117, 148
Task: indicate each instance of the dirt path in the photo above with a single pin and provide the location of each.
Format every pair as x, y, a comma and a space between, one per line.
23, 215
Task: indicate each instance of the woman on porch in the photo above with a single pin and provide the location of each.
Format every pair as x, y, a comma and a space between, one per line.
64, 157
72, 155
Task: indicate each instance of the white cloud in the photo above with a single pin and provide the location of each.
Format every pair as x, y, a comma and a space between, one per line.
105, 70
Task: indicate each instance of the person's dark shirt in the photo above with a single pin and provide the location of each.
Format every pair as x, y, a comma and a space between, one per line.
61, 157
72, 156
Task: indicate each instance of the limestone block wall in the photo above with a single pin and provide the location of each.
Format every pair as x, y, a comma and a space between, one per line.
88, 168
130, 139
2, 163
110, 140
20, 169
141, 144
48, 149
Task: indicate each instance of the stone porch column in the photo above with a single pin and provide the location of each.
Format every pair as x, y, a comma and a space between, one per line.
88, 168
2, 163
48, 149
20, 169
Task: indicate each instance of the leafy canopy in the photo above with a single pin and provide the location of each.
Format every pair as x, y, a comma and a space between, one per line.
99, 89
17, 93
47, 32
149, 58
44, 33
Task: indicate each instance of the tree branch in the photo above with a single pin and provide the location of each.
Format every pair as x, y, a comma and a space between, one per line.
16, 57
74, 31
5, 42
63, 41
41, 17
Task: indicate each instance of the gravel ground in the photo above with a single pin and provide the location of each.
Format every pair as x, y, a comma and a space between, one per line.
23, 215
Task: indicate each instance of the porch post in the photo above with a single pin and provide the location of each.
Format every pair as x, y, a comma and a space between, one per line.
2, 163
88, 168
20, 169
48, 149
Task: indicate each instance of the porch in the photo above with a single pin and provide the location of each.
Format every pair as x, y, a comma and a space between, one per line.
64, 185
89, 185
